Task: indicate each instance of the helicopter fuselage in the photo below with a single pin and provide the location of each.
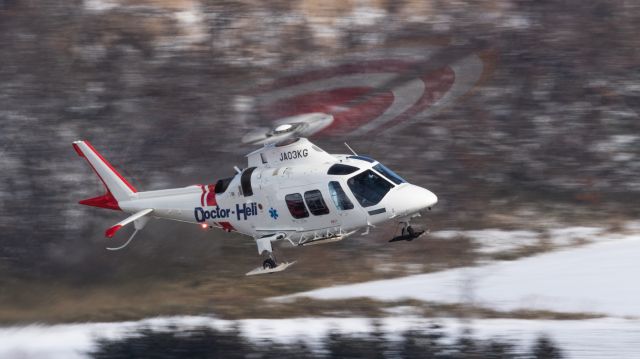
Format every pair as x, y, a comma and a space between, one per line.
290, 190
296, 189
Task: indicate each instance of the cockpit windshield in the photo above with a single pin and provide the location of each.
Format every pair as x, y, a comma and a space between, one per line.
389, 174
369, 188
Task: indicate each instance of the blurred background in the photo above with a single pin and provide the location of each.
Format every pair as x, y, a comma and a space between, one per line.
525, 124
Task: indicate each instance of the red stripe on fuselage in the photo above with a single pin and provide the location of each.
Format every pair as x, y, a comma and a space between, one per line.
211, 195
227, 226
202, 195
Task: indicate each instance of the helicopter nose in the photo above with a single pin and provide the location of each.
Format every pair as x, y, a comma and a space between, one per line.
422, 198
411, 199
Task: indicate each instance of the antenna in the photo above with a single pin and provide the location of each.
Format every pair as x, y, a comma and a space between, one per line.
238, 171
350, 149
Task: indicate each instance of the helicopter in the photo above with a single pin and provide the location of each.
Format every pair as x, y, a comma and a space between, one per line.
291, 190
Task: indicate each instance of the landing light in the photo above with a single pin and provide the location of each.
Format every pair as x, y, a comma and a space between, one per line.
204, 226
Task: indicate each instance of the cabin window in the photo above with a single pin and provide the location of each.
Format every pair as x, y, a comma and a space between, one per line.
369, 188
316, 203
338, 196
296, 205
263, 158
389, 174
340, 169
245, 181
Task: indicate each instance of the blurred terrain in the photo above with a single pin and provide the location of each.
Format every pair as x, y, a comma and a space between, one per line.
163, 88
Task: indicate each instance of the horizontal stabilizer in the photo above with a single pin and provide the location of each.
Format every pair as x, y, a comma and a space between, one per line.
104, 201
109, 233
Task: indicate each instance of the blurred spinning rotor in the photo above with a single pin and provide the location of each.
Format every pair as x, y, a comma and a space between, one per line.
365, 93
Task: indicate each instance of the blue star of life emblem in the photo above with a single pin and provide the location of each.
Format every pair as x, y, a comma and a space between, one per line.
273, 213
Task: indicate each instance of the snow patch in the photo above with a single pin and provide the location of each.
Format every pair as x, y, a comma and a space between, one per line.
100, 5
593, 338
491, 241
598, 278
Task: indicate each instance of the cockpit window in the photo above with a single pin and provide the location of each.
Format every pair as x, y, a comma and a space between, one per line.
369, 188
388, 173
340, 169
362, 158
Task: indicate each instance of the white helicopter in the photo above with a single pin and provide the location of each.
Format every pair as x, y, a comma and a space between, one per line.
291, 190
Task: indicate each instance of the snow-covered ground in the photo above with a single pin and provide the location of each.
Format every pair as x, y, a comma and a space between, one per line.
593, 338
490, 241
493, 240
597, 278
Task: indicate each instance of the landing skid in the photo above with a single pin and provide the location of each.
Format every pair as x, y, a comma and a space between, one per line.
279, 268
408, 234
408, 237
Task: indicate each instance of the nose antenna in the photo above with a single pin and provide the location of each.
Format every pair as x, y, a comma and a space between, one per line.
350, 149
